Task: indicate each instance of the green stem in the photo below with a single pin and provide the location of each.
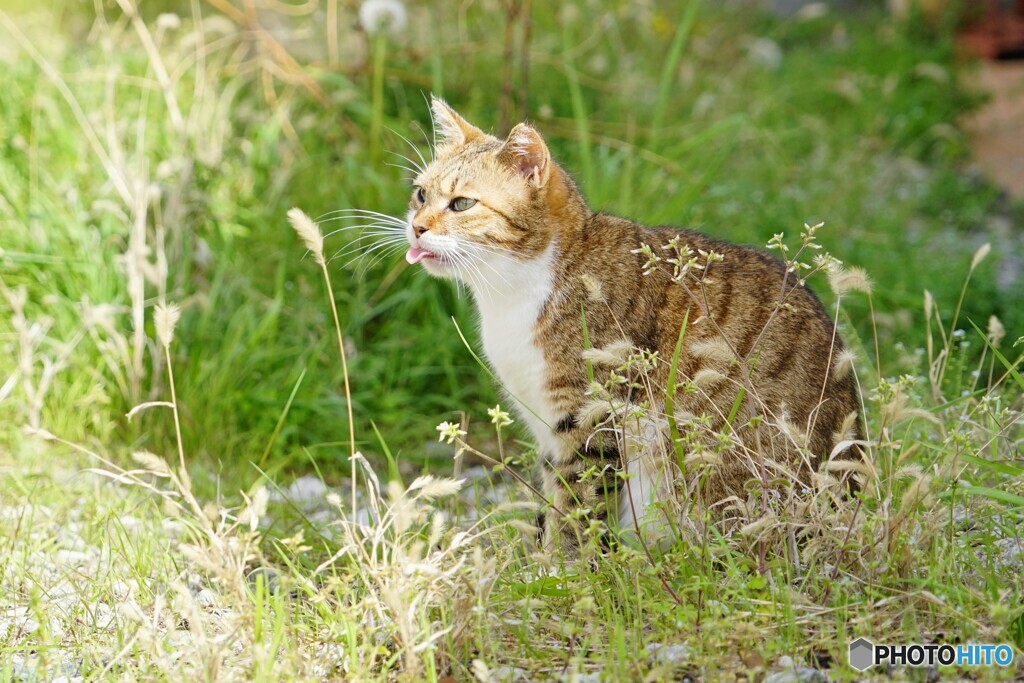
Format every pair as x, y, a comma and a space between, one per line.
380, 46
670, 396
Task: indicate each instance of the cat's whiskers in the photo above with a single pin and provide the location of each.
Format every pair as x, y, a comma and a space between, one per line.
360, 212
364, 249
386, 248
365, 221
495, 250
423, 162
410, 166
430, 146
362, 217
383, 228
387, 253
433, 131
466, 268
493, 269
408, 178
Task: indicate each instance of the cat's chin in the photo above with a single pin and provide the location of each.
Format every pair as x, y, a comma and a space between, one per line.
438, 268
434, 264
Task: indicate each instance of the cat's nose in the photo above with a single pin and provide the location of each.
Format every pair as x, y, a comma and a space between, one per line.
418, 229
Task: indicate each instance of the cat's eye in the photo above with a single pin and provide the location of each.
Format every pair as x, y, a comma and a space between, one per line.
421, 196
462, 203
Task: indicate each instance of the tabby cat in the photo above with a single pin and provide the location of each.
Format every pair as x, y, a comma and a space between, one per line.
581, 329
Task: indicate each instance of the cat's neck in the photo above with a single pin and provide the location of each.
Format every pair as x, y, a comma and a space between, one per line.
501, 280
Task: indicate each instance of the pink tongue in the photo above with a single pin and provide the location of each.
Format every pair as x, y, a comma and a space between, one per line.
415, 255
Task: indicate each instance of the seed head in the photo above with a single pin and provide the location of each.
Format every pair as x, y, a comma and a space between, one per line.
612, 355
714, 350
843, 280
431, 487
996, 331
843, 364
309, 232
980, 255
593, 287
707, 377
165, 317
383, 15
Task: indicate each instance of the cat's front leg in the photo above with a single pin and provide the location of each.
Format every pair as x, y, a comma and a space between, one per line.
579, 485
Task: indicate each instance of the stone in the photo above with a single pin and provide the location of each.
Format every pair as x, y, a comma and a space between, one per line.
800, 674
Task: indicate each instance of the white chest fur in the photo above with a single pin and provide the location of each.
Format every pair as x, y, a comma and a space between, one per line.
509, 304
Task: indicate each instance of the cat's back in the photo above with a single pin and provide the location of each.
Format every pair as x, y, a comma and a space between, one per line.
750, 325
756, 327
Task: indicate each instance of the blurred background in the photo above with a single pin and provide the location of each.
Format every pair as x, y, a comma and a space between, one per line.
149, 151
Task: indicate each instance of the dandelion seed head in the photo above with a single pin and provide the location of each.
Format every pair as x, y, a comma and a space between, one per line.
309, 232
383, 15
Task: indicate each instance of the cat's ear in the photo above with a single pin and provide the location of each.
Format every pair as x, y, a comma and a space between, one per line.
527, 153
449, 127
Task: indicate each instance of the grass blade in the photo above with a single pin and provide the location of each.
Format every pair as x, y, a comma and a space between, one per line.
280, 420
1011, 368
671, 64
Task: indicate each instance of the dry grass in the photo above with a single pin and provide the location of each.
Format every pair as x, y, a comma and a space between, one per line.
120, 565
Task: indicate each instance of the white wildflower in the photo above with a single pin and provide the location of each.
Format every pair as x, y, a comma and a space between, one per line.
499, 417
449, 432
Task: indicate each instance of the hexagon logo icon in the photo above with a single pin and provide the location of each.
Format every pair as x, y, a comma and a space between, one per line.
862, 654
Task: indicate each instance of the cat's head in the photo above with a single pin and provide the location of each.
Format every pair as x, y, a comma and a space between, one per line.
482, 201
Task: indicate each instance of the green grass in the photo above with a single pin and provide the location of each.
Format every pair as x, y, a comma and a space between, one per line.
849, 130
663, 116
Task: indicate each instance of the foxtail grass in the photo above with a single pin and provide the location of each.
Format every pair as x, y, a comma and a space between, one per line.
311, 235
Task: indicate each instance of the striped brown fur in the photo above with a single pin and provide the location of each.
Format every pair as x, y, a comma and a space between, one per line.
530, 211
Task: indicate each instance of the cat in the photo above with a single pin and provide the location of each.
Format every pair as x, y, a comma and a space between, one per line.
569, 303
